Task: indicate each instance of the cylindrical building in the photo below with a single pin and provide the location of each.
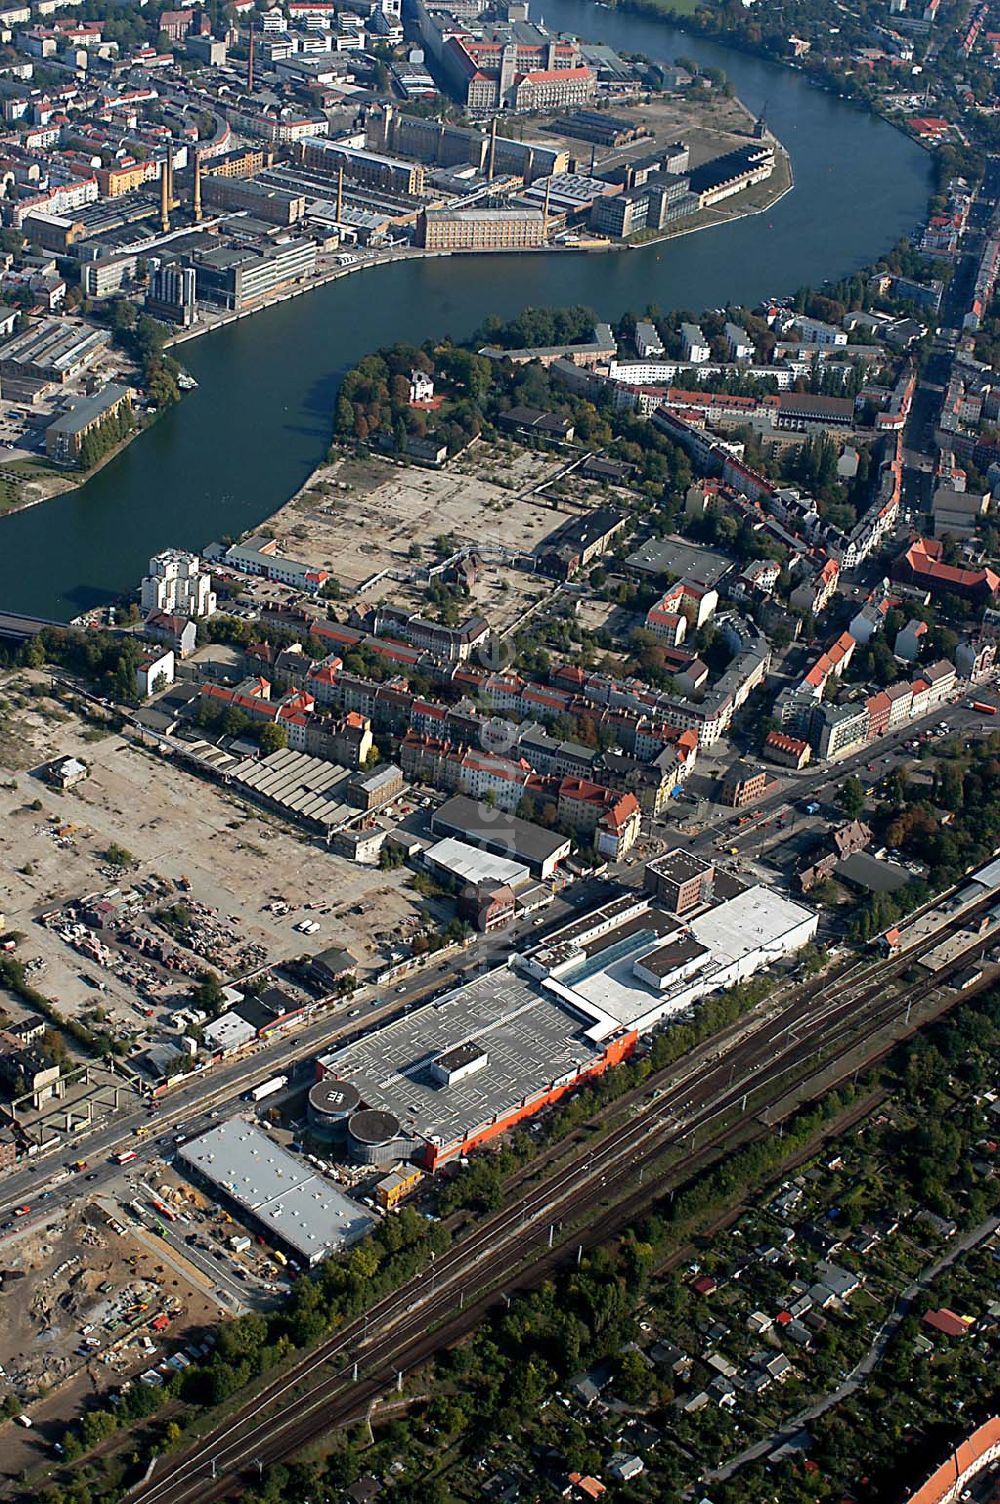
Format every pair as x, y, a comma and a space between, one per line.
375, 1138
330, 1104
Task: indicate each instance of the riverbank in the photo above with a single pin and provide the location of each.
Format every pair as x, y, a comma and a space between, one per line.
682, 15
757, 200
260, 422
710, 127
780, 183
51, 481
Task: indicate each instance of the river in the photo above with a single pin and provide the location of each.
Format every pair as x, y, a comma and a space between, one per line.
230, 453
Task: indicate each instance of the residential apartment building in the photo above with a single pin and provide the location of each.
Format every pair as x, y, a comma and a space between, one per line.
178, 584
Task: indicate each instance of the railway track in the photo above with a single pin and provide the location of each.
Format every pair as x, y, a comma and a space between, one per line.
349, 1370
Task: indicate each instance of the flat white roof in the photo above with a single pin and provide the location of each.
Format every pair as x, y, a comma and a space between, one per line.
474, 866
740, 935
756, 919
281, 1191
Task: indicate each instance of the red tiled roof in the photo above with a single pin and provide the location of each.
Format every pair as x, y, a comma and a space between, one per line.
964, 1460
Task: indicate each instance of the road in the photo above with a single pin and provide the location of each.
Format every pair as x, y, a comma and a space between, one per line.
721, 825
856, 1378
191, 1108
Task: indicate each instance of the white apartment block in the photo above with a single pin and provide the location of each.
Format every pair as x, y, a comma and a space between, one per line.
178, 585
741, 346
696, 346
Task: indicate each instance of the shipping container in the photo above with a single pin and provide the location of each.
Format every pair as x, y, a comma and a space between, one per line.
266, 1089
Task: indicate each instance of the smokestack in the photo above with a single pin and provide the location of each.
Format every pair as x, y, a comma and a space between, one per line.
250, 79
164, 200
171, 200
493, 149
197, 188
340, 194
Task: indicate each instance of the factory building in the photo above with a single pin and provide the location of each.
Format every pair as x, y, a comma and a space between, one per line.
295, 1208
388, 129
367, 167
481, 229
275, 206
723, 176
51, 350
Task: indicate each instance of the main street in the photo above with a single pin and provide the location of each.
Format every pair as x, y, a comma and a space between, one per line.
191, 1108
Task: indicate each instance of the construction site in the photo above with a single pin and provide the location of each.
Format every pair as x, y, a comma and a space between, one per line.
89, 1300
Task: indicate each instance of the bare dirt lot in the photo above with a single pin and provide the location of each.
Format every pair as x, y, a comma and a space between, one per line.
389, 511
358, 518
176, 827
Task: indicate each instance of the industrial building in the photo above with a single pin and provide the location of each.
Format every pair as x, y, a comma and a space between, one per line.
64, 437
463, 863
633, 964
233, 278
294, 1207
481, 229
387, 129
275, 206
660, 200
51, 350
504, 835
575, 542
297, 786
368, 167
463, 1069
466, 1067
723, 176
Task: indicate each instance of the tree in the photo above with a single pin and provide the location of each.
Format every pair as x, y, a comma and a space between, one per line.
207, 994
272, 737
851, 797
118, 856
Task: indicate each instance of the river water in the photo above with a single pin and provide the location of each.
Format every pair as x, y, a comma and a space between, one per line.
230, 453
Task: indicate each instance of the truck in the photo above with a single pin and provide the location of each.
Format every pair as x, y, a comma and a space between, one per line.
266, 1089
